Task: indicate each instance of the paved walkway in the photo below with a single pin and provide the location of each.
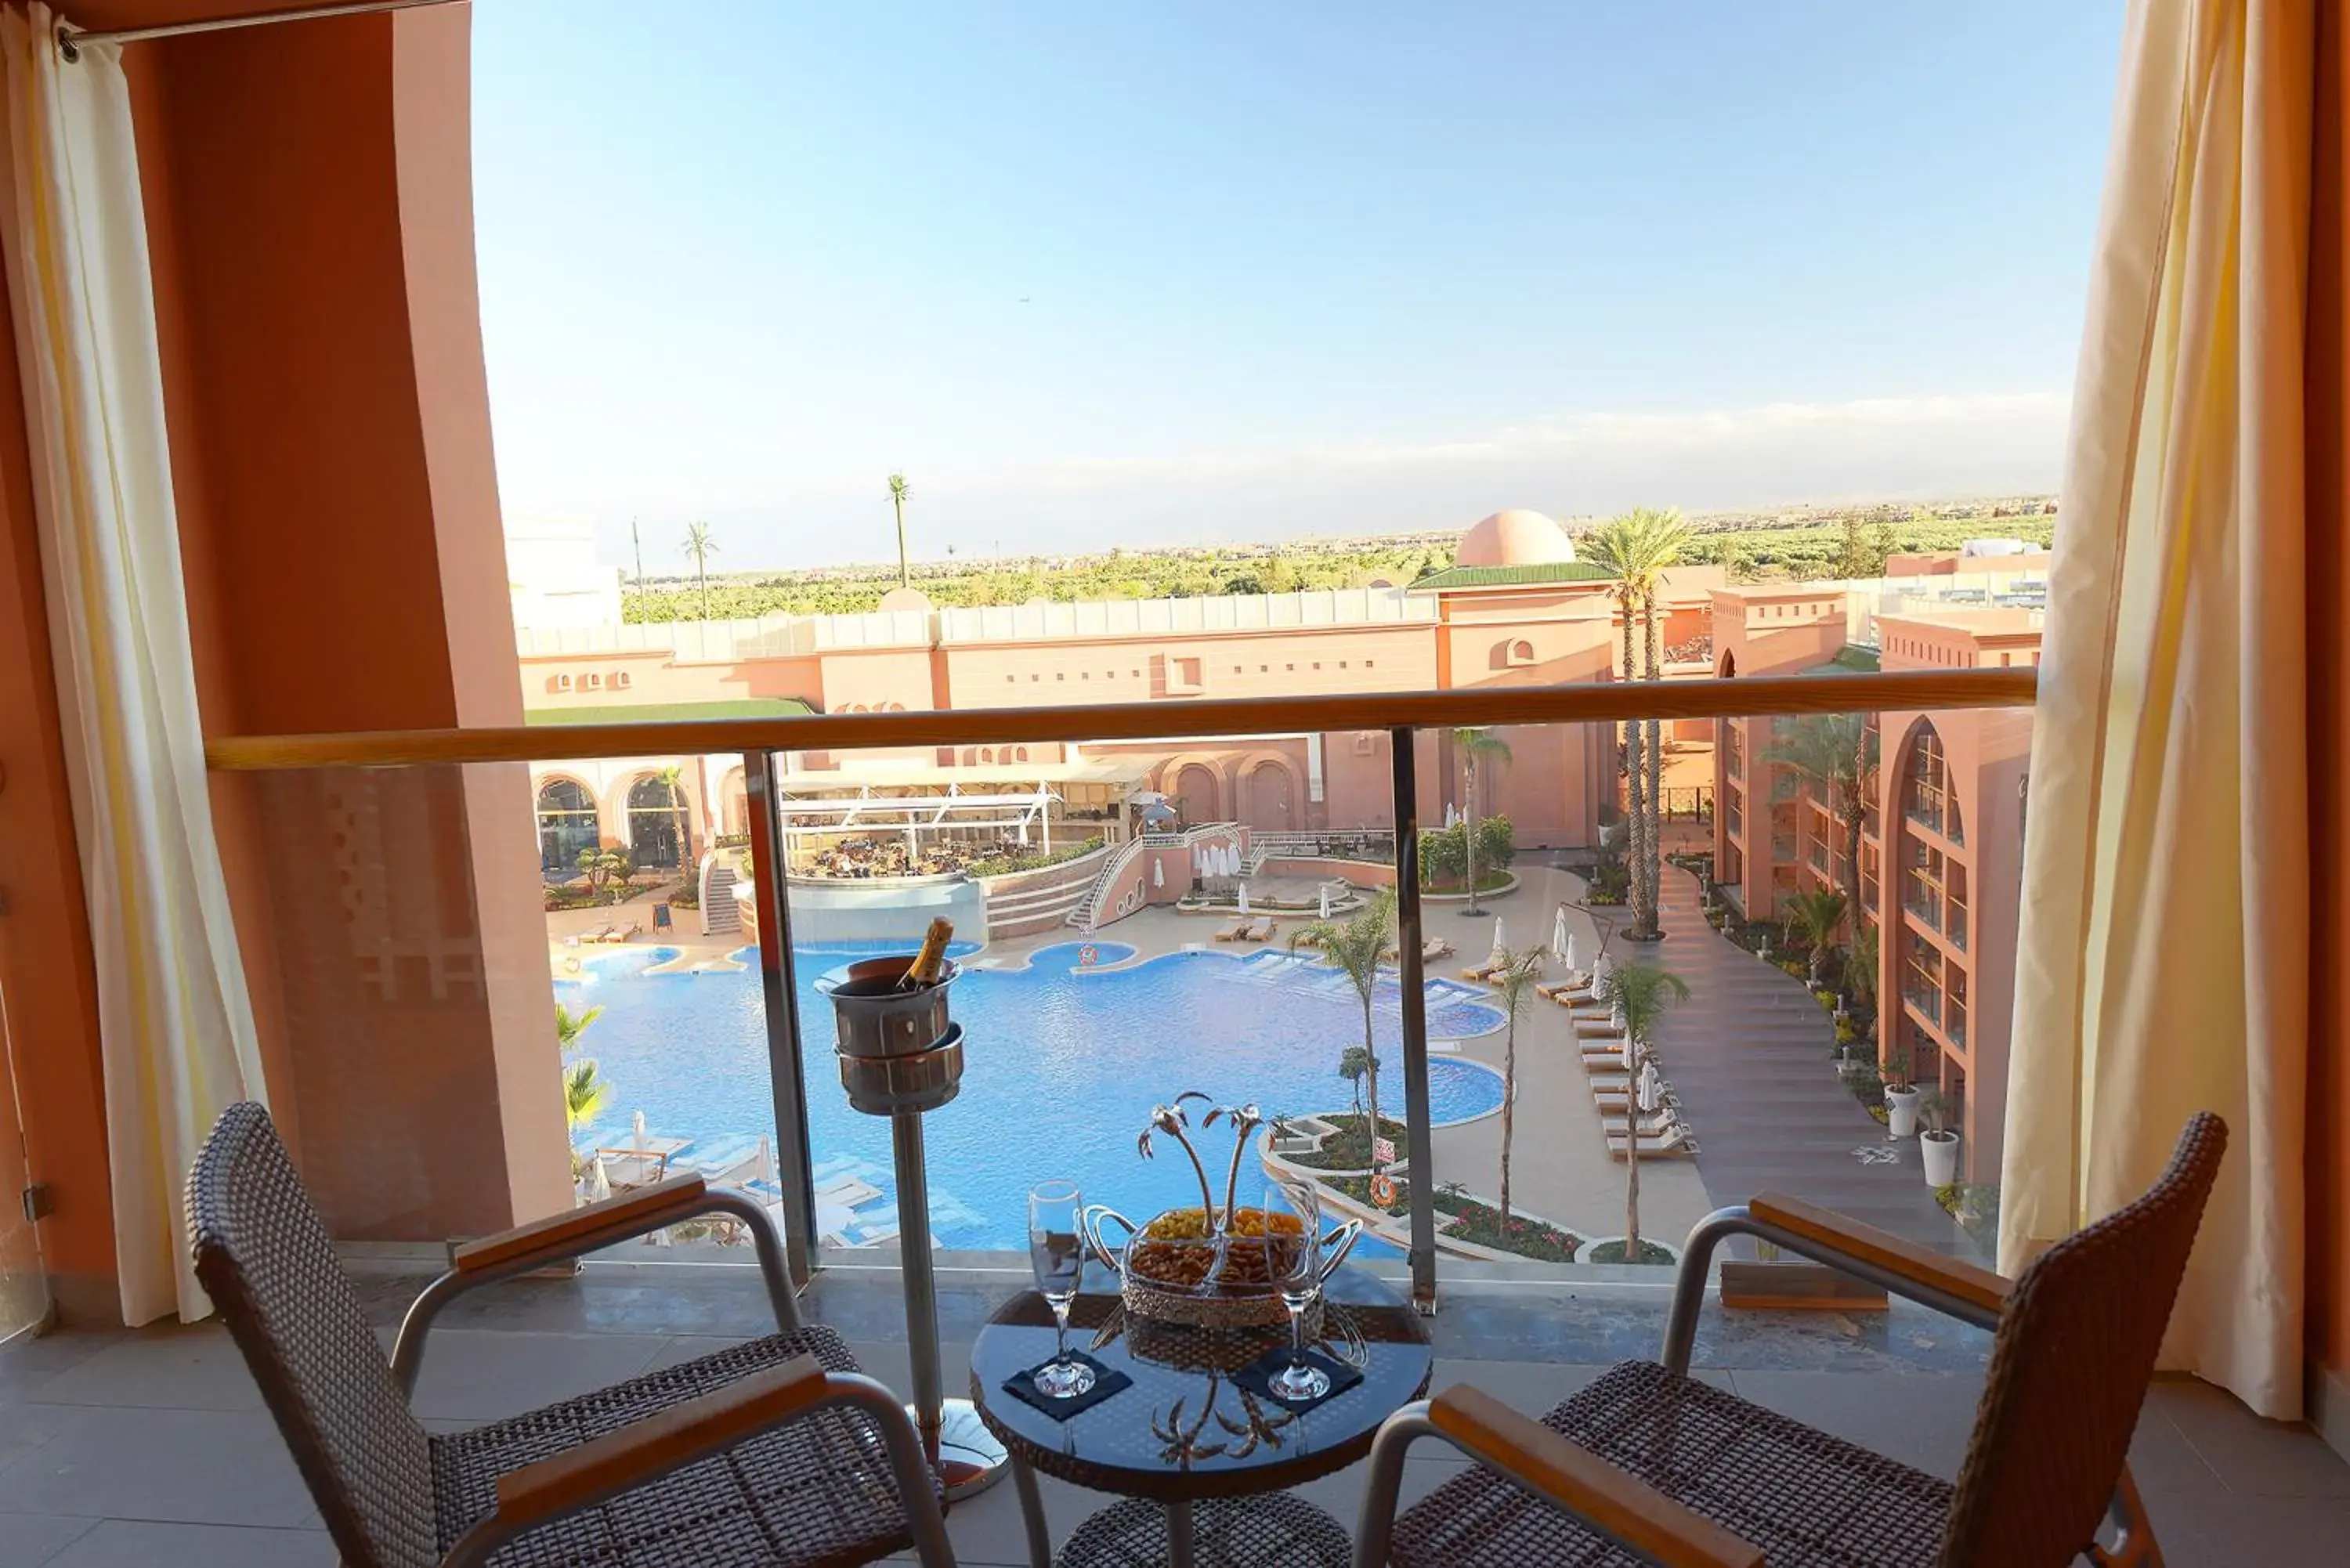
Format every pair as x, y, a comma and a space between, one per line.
1751, 1053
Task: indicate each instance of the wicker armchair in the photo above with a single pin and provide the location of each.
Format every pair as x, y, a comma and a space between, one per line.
777, 1451
1648, 1466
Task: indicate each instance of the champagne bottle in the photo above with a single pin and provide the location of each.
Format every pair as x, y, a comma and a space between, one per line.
928, 963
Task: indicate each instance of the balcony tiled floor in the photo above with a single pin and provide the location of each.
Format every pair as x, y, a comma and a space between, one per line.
152, 1448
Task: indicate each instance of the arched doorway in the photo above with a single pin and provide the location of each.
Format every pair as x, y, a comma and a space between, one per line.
657, 834
566, 826
1272, 803
1195, 793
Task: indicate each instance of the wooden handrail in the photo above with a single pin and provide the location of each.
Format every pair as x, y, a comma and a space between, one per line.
1580, 702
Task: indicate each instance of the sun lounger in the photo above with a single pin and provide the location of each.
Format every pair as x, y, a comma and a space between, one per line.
1232, 933
1477, 971
848, 1191
1259, 931
1435, 947
1678, 1142
1595, 1029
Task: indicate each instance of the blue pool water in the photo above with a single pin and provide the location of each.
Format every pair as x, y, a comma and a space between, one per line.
1062, 1066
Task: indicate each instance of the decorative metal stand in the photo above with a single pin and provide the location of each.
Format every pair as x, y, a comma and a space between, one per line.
901, 1056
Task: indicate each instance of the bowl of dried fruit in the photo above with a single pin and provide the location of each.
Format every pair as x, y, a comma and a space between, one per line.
1209, 1265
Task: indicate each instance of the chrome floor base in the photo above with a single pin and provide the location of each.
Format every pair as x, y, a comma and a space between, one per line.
969, 1459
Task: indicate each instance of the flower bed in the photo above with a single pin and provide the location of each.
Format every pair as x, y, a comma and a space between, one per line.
1613, 1252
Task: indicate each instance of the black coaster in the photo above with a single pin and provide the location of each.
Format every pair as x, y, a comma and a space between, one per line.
1257, 1377
1022, 1385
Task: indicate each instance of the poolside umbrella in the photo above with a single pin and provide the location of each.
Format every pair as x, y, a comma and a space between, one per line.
1244, 908
599, 1180
1157, 873
1559, 937
1498, 948
763, 1168
1566, 952
1652, 1094
637, 1139
1326, 900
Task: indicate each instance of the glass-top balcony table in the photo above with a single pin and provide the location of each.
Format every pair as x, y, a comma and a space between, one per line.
1201, 1461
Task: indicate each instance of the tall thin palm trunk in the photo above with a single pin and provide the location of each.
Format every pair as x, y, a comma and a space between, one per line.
1370, 1069
1635, 785
1509, 1117
1652, 863
1632, 1178
1468, 830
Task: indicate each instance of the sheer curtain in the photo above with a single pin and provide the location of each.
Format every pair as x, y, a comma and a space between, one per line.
174, 1018
2163, 955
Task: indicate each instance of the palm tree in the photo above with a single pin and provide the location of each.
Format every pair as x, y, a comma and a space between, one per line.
672, 777
570, 1025
1641, 995
898, 491
1634, 549
585, 1091
1837, 752
1357, 945
602, 866
1860, 965
1817, 912
1353, 1064
699, 544
1476, 746
1520, 970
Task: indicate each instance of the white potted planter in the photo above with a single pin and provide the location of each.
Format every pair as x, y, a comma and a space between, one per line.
1901, 1112
1940, 1151
1938, 1146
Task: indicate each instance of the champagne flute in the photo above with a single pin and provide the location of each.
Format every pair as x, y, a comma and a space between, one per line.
1057, 1255
1292, 1256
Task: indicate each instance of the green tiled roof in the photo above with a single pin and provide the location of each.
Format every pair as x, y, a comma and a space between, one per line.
1854, 657
666, 712
1514, 576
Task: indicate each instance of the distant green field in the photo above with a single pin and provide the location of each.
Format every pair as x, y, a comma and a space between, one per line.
1751, 553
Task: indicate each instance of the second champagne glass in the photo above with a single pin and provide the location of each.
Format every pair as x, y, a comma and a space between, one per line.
1056, 1256
1292, 1256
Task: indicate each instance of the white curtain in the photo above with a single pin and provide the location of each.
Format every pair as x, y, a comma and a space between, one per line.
174, 1018
2163, 955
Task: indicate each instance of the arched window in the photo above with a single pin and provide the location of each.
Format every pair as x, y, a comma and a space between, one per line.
657, 824
566, 826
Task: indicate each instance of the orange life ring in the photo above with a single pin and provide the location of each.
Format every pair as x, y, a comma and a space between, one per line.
1089, 954
1383, 1189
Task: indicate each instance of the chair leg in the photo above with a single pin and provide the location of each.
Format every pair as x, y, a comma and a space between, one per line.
2133, 1543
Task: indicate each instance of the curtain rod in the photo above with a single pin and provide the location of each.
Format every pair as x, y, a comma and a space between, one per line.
70, 42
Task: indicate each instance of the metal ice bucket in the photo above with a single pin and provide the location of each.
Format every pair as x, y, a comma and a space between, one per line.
878, 1017
898, 1050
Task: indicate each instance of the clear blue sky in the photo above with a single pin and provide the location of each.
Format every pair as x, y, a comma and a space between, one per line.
1115, 272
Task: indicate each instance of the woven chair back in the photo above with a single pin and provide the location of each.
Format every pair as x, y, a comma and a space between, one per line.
263, 1255
2069, 1369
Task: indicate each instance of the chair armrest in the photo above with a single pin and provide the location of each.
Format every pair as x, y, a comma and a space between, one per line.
1607, 1496
561, 1237
1825, 1228
573, 1232
657, 1444
698, 1429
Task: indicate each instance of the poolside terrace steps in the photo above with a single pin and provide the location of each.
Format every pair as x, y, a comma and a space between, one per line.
721, 912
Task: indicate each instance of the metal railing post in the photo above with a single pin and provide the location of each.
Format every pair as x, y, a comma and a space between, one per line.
1412, 955
794, 1160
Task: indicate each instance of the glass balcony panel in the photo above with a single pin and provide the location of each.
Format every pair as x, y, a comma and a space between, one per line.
1118, 971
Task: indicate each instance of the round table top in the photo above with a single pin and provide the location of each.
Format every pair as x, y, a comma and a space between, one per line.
1184, 1430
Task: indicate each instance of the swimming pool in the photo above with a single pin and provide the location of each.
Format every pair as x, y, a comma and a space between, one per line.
1062, 1066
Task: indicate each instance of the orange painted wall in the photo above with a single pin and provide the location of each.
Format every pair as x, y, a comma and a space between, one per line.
308, 190
46, 979
2328, 417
